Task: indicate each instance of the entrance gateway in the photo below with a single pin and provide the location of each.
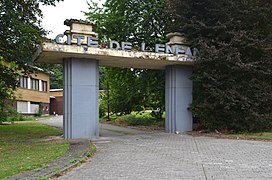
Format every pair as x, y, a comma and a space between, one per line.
81, 57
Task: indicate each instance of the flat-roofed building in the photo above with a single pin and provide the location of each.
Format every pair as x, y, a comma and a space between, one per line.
32, 95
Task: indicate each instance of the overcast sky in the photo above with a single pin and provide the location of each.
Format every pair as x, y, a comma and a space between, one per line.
54, 16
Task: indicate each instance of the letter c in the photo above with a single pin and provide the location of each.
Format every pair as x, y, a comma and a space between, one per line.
57, 39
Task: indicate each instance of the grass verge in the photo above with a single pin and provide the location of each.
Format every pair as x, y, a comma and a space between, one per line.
138, 119
18, 156
260, 135
77, 162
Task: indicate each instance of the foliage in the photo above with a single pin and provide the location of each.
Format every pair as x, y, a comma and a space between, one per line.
103, 102
124, 90
20, 30
19, 117
11, 115
132, 90
153, 90
20, 34
56, 78
18, 156
133, 21
8, 83
232, 75
139, 119
102, 108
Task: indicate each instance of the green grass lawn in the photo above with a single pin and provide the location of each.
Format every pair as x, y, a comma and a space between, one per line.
261, 135
17, 156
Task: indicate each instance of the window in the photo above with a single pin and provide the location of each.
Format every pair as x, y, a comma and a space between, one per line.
35, 84
34, 107
22, 107
44, 86
23, 82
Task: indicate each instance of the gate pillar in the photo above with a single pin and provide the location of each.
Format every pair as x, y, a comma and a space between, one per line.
81, 91
178, 97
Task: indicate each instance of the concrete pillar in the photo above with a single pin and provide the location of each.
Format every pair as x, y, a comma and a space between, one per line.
178, 97
81, 90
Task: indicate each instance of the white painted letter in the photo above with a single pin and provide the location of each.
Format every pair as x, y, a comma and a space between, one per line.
78, 37
168, 49
179, 51
188, 52
92, 42
112, 43
58, 39
159, 48
69, 39
143, 47
126, 45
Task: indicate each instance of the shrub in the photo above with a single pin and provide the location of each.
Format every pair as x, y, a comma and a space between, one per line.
140, 119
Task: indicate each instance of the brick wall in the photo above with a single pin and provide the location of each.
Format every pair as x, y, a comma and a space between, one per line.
56, 105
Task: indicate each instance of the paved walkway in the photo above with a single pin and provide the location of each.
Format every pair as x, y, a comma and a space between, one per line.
123, 153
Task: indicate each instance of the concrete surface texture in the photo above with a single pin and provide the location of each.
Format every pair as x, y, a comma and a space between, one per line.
178, 99
124, 153
80, 96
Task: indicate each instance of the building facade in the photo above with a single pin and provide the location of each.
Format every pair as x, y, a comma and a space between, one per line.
32, 95
56, 101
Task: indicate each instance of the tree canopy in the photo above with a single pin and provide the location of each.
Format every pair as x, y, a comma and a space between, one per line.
20, 34
233, 74
134, 21
20, 30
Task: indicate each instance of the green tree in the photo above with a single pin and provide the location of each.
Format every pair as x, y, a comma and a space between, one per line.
20, 34
125, 93
134, 21
56, 77
232, 75
20, 30
7, 86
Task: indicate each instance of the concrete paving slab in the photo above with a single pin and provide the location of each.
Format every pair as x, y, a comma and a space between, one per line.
131, 154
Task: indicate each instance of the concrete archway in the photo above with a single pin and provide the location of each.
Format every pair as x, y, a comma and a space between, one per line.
81, 58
